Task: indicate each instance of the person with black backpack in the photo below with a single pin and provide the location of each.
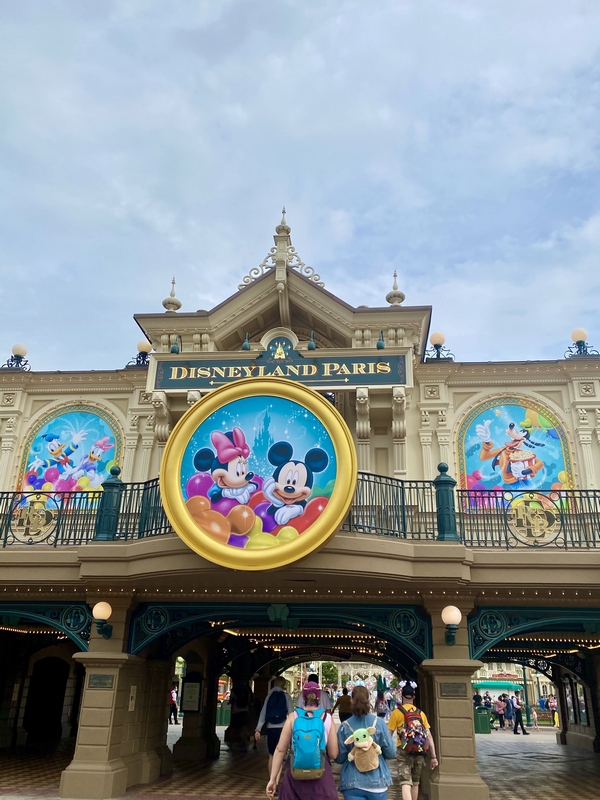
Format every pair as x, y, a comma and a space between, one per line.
275, 710
414, 742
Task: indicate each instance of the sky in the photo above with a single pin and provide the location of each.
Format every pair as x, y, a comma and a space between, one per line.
454, 141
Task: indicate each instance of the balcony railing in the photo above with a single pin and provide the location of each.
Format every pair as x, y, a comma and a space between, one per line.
382, 506
389, 507
569, 519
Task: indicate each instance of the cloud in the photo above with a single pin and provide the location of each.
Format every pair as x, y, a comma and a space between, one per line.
454, 141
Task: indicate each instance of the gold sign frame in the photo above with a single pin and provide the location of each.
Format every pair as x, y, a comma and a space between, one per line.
314, 537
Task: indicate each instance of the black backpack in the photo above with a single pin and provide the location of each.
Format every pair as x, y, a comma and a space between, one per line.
276, 712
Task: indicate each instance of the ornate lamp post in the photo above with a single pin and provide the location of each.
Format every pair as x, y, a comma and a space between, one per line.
143, 357
437, 351
580, 347
17, 359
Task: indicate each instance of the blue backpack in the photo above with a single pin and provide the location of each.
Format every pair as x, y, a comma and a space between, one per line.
276, 712
308, 745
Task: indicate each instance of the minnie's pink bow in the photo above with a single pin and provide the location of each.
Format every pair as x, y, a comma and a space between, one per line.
228, 450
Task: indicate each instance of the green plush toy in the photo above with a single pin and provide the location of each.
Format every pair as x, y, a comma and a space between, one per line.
365, 753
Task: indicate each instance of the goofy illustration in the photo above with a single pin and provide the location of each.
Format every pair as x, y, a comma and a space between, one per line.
516, 464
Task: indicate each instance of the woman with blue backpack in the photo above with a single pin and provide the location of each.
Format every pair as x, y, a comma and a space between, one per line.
364, 743
310, 733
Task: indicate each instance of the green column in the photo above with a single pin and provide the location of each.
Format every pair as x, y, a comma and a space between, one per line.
107, 518
446, 508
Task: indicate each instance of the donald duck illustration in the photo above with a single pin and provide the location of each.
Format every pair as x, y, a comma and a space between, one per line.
60, 453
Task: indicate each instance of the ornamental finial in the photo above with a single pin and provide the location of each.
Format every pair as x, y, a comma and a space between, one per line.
171, 303
283, 227
395, 297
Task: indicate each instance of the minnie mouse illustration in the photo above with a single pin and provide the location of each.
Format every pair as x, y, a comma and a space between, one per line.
228, 467
291, 484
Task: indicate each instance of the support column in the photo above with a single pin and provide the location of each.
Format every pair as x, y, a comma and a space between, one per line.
363, 429
585, 442
120, 731
7, 448
399, 430
448, 700
426, 437
131, 443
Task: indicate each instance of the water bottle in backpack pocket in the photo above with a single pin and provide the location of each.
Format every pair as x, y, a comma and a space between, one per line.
308, 745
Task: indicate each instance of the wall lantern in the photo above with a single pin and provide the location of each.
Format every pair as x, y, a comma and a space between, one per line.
451, 617
101, 613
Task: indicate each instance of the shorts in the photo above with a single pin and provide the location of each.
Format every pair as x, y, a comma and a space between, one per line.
273, 736
409, 768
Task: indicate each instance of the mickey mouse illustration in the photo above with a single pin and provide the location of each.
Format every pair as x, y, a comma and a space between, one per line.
228, 467
291, 484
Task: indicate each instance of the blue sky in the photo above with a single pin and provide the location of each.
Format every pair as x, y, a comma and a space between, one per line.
457, 142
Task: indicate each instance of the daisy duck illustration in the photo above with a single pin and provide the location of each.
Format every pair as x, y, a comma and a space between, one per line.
228, 466
59, 452
89, 463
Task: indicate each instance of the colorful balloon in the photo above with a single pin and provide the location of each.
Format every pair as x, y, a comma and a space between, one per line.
51, 474
197, 505
224, 505
268, 520
241, 519
477, 474
286, 534
235, 540
198, 484
47, 487
257, 497
215, 525
312, 511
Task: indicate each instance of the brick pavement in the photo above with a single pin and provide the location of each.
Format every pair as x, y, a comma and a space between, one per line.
533, 767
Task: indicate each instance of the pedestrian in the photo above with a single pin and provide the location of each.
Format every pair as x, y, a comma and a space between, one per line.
487, 700
344, 703
553, 706
325, 702
516, 703
534, 717
509, 711
275, 710
381, 707
365, 774
477, 700
414, 742
311, 734
173, 705
499, 707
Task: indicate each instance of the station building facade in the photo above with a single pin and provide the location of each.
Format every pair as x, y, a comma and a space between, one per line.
285, 477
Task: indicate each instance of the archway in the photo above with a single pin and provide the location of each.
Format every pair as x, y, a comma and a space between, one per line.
45, 700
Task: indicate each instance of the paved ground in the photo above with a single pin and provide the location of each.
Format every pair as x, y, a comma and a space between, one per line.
534, 767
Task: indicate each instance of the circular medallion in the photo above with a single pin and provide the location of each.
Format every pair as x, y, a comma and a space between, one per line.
34, 516
258, 474
533, 518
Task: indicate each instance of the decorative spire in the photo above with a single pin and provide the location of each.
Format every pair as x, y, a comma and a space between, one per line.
395, 297
171, 303
283, 227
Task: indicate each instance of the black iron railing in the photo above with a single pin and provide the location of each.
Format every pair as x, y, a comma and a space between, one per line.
382, 506
72, 518
568, 519
390, 507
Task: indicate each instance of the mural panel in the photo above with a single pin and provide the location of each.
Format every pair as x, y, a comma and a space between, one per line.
71, 449
512, 443
258, 467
